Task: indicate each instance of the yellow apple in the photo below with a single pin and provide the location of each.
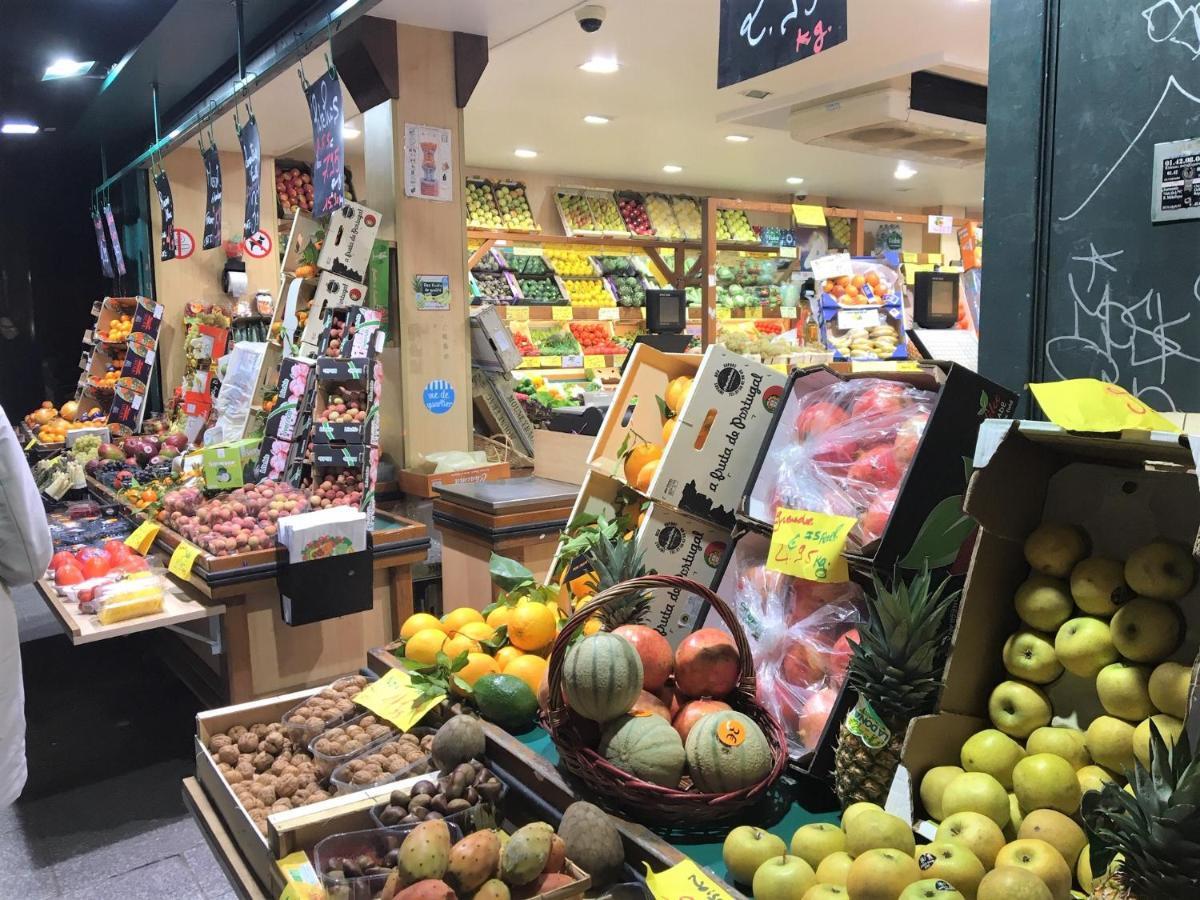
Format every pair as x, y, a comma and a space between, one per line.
1069, 743
881, 874
1168, 726
1043, 603
1163, 570
933, 785
783, 878
1055, 547
1169, 683
951, 861
1029, 655
976, 832
977, 792
1046, 781
1059, 831
834, 868
815, 841
1012, 883
1094, 581
1018, 709
1124, 691
1039, 858
878, 830
1093, 778
1145, 630
993, 752
1110, 742
1084, 645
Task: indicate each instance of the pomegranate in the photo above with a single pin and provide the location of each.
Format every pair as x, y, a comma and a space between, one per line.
877, 467
881, 398
707, 664
815, 714
818, 417
654, 651
693, 712
647, 704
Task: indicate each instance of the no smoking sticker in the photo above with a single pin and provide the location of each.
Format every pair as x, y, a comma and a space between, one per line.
258, 245
185, 244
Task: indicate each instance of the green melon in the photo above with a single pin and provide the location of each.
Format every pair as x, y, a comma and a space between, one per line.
719, 766
602, 677
645, 746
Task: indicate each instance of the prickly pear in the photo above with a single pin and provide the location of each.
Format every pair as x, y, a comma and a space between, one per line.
495, 889
427, 889
558, 855
524, 856
425, 852
473, 860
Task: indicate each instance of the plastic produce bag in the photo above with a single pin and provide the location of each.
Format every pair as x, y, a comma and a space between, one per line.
854, 443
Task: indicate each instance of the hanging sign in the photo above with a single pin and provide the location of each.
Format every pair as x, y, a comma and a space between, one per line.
212, 205
118, 256
105, 262
252, 162
166, 205
328, 171
757, 36
431, 292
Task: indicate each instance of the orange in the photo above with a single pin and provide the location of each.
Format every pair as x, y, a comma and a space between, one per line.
872, 279
645, 476
581, 585
532, 626
668, 429
592, 625
638, 457
677, 393
499, 616
423, 646
479, 631
456, 619
418, 622
506, 655
457, 644
858, 281
529, 669
478, 665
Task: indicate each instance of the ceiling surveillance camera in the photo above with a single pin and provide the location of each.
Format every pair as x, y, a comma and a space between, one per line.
799, 196
590, 17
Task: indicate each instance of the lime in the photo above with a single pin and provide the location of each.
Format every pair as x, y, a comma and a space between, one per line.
505, 700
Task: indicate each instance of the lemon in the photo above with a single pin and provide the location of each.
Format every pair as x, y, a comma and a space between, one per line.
423, 646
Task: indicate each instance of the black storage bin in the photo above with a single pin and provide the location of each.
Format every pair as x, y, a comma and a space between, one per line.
323, 589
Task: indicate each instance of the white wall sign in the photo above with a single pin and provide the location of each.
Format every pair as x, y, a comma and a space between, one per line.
428, 170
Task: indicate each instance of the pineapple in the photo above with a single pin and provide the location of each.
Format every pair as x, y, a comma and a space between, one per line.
896, 669
613, 561
1156, 829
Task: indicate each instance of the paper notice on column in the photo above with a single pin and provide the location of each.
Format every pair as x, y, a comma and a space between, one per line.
334, 531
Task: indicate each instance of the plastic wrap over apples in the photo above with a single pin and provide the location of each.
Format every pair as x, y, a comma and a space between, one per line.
799, 632
854, 441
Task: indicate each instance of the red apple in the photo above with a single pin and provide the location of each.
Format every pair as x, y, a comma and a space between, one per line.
875, 519
801, 665
818, 417
647, 704
62, 558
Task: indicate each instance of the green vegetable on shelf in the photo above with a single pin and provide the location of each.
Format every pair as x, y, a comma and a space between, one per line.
539, 290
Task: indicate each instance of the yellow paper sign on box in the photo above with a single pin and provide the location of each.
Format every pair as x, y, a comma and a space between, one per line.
183, 559
518, 313
808, 214
551, 362
143, 536
684, 881
561, 313
593, 361
724, 312
396, 699
809, 545
1087, 404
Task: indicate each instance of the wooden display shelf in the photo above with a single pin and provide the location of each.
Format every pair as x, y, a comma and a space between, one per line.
233, 864
627, 315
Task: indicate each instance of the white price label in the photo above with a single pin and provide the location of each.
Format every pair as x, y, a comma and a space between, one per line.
609, 314
150, 357
941, 225
836, 265
849, 319
527, 251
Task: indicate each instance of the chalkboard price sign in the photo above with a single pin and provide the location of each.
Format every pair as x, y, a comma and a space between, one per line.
328, 174
212, 206
162, 186
118, 256
105, 262
757, 36
252, 162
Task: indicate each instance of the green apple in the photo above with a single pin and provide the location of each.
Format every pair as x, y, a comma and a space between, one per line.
746, 848
878, 830
783, 878
933, 785
931, 889
1055, 547
1018, 709
977, 792
1059, 831
881, 874
834, 868
1093, 778
1043, 603
1124, 690
1146, 630
976, 832
993, 752
815, 841
1162, 570
1069, 743
1084, 645
1110, 743
1042, 860
826, 892
1094, 583
1046, 781
1168, 726
951, 861
1012, 883
1029, 655
1169, 688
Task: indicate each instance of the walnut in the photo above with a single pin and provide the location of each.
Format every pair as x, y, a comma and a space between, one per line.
228, 755
286, 786
396, 764
251, 803
279, 765
281, 806
245, 769
317, 796
262, 827
224, 768
299, 758
260, 730
274, 742
306, 780
237, 731
327, 746
315, 722
217, 741
262, 761
265, 794
233, 777
374, 732
266, 778
344, 706
364, 776
248, 742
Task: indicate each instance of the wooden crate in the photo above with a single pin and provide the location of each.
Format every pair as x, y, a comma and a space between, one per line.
420, 484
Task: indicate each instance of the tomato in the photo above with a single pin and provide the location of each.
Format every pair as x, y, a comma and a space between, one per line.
117, 553
90, 553
62, 557
134, 563
115, 546
85, 595
96, 567
68, 574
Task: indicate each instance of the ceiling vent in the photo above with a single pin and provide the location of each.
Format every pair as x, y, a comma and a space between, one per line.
937, 120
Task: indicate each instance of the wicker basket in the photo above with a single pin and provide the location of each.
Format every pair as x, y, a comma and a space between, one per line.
575, 736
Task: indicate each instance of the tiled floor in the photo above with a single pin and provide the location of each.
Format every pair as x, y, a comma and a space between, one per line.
109, 738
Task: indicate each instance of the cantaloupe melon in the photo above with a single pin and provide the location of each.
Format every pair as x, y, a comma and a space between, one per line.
602, 676
727, 751
645, 746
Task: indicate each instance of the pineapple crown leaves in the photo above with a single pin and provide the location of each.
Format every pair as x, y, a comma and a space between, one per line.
1160, 821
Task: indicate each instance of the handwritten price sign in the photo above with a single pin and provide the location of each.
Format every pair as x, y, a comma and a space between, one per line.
758, 36
809, 545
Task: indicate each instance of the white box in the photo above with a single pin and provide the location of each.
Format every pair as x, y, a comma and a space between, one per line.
349, 237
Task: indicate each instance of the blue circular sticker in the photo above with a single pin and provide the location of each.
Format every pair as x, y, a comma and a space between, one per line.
438, 396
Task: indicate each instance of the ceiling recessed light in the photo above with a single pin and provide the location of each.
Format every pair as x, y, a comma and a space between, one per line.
524, 153
597, 120
67, 68
350, 133
903, 171
737, 138
18, 128
795, 180
672, 169
601, 65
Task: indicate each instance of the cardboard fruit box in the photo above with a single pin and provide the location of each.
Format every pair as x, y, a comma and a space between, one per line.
717, 435
1124, 492
926, 520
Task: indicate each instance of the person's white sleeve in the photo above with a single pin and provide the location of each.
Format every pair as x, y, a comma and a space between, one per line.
25, 546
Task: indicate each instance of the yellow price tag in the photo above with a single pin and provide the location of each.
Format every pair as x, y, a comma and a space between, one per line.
394, 698
594, 362
869, 365
550, 362
724, 312
609, 314
684, 881
909, 256
183, 559
530, 362
301, 880
935, 259
787, 312
1086, 404
143, 536
32, 443
561, 313
518, 313
788, 253
809, 545
808, 214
